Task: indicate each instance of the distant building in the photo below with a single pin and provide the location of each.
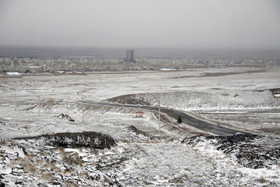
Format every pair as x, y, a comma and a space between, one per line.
130, 56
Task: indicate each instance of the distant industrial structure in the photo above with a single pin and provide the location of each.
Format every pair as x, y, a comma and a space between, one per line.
130, 56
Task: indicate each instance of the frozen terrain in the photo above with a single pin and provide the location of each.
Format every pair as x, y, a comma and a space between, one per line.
148, 152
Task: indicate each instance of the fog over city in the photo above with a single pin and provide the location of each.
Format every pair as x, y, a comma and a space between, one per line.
141, 23
140, 93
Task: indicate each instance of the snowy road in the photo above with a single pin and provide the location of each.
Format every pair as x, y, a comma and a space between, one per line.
187, 119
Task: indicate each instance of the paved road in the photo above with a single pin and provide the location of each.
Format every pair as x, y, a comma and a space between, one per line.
187, 119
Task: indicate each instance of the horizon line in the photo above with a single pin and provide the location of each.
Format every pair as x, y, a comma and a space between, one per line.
139, 47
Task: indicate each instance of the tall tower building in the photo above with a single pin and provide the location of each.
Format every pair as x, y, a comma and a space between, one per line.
129, 56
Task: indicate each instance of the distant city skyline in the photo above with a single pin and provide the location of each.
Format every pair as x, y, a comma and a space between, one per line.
129, 56
249, 24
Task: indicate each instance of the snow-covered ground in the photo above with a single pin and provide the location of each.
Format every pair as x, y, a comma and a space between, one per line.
32, 105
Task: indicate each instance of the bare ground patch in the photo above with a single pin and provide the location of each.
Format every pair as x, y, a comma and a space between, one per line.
217, 74
128, 99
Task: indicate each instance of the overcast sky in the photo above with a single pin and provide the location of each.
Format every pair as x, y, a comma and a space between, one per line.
141, 23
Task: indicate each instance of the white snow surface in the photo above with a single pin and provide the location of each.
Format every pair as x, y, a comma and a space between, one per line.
137, 160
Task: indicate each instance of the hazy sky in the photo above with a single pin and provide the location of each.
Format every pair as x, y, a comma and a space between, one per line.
141, 23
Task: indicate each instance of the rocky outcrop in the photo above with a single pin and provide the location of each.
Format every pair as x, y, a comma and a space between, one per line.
65, 116
252, 151
78, 139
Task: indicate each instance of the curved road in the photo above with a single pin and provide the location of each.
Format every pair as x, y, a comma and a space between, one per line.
187, 119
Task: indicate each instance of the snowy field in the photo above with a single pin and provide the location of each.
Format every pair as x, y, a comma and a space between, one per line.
239, 98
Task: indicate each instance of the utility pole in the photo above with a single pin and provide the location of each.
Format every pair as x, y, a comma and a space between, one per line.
261, 125
227, 117
38, 105
15, 101
146, 100
83, 110
159, 115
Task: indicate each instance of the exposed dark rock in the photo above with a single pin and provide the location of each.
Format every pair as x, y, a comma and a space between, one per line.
2, 184
275, 91
137, 131
18, 183
55, 183
78, 139
134, 129
128, 99
251, 151
43, 185
65, 116
113, 163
